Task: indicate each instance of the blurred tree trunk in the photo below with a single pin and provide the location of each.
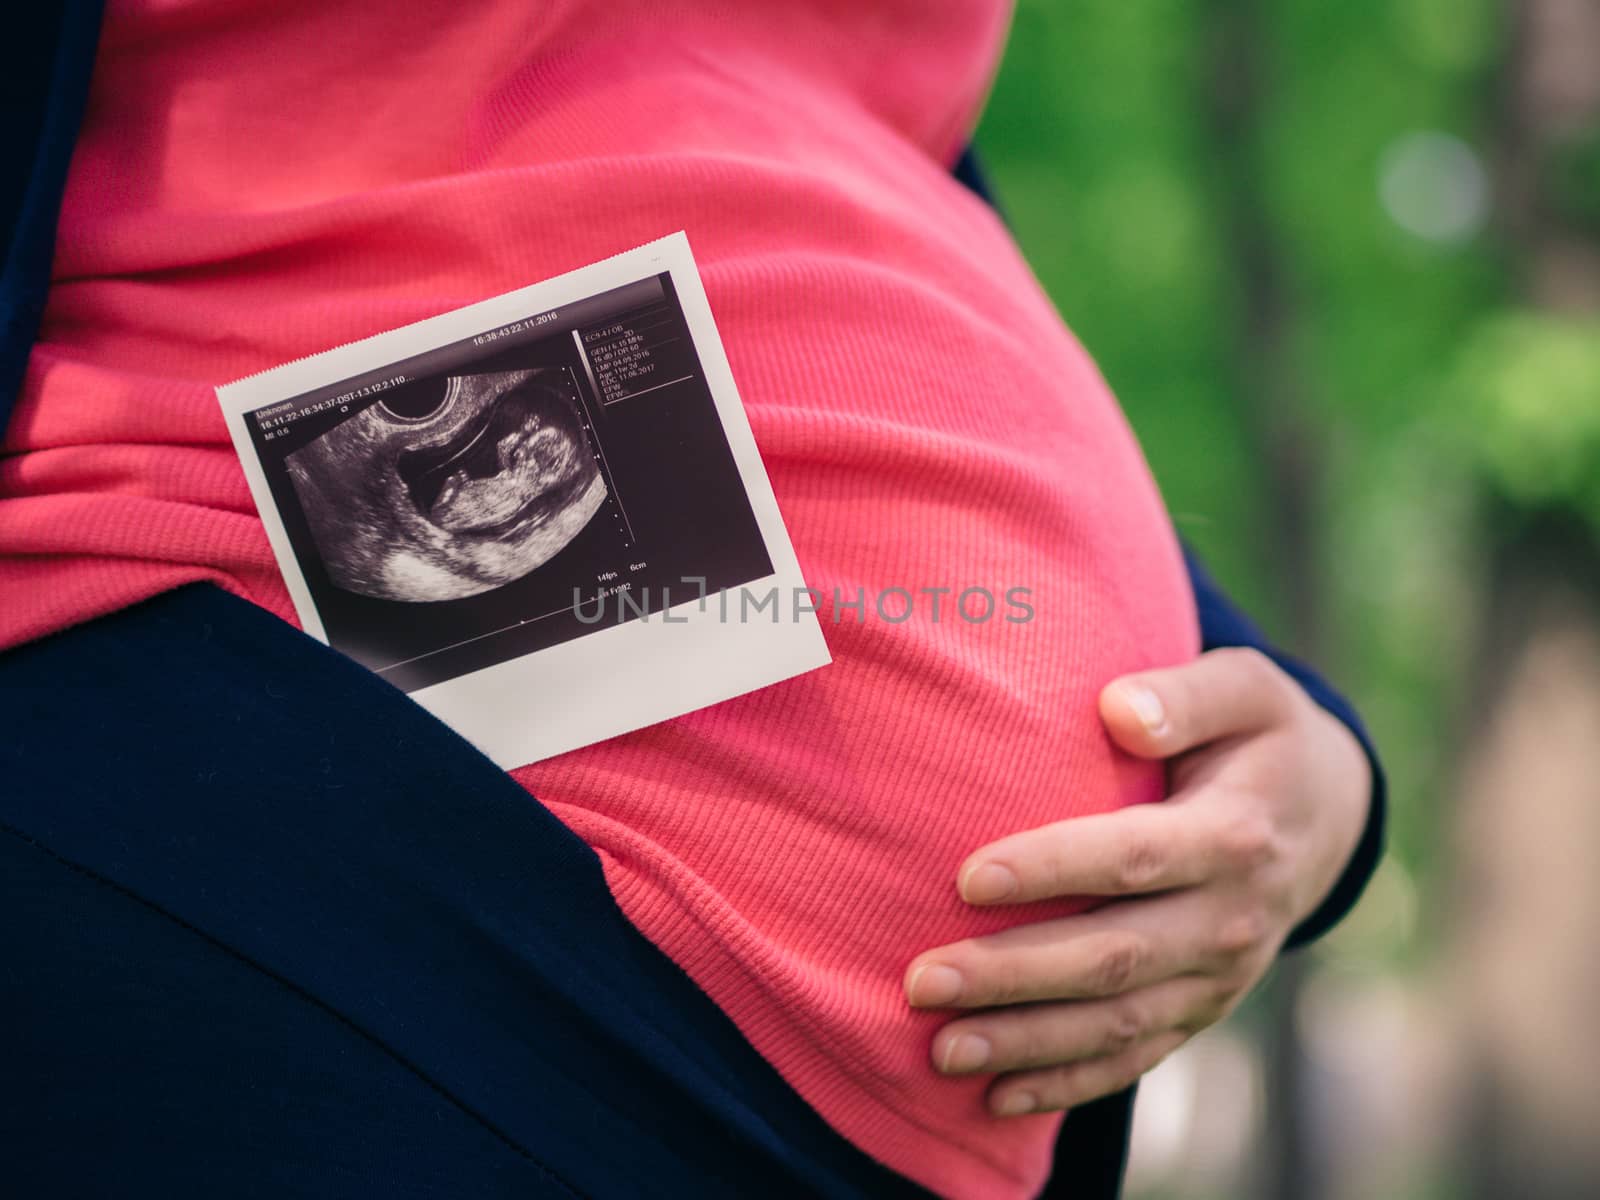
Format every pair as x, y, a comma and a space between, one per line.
1529, 897
1285, 440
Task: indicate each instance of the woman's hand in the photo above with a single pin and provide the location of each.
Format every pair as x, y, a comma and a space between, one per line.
1269, 793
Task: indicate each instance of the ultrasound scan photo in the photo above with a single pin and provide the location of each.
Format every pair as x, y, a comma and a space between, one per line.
450, 487
455, 508
518, 512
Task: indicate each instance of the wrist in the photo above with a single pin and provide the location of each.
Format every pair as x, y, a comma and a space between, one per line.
1342, 784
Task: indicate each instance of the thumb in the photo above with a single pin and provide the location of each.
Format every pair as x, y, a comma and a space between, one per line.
1223, 693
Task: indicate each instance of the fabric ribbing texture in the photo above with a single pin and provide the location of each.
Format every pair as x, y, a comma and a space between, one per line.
252, 187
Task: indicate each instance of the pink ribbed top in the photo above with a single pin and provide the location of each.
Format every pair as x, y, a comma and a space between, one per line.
261, 179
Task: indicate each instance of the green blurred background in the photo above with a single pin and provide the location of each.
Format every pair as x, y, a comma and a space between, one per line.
1341, 263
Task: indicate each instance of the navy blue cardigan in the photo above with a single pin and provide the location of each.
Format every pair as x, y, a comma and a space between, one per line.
157, 934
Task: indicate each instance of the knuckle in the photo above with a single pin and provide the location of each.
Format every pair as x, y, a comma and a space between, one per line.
1249, 842
1124, 1029
1115, 966
1274, 681
1138, 865
1242, 933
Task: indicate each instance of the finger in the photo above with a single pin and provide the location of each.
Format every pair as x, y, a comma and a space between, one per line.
1144, 848
1051, 1035
1079, 1083
1125, 946
1226, 692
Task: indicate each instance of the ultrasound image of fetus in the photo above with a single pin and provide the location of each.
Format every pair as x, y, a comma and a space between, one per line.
450, 487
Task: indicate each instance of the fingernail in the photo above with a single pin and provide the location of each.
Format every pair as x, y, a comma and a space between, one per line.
965, 1053
987, 884
934, 984
1014, 1104
1147, 707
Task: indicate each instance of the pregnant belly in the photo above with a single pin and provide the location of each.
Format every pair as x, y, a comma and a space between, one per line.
793, 849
